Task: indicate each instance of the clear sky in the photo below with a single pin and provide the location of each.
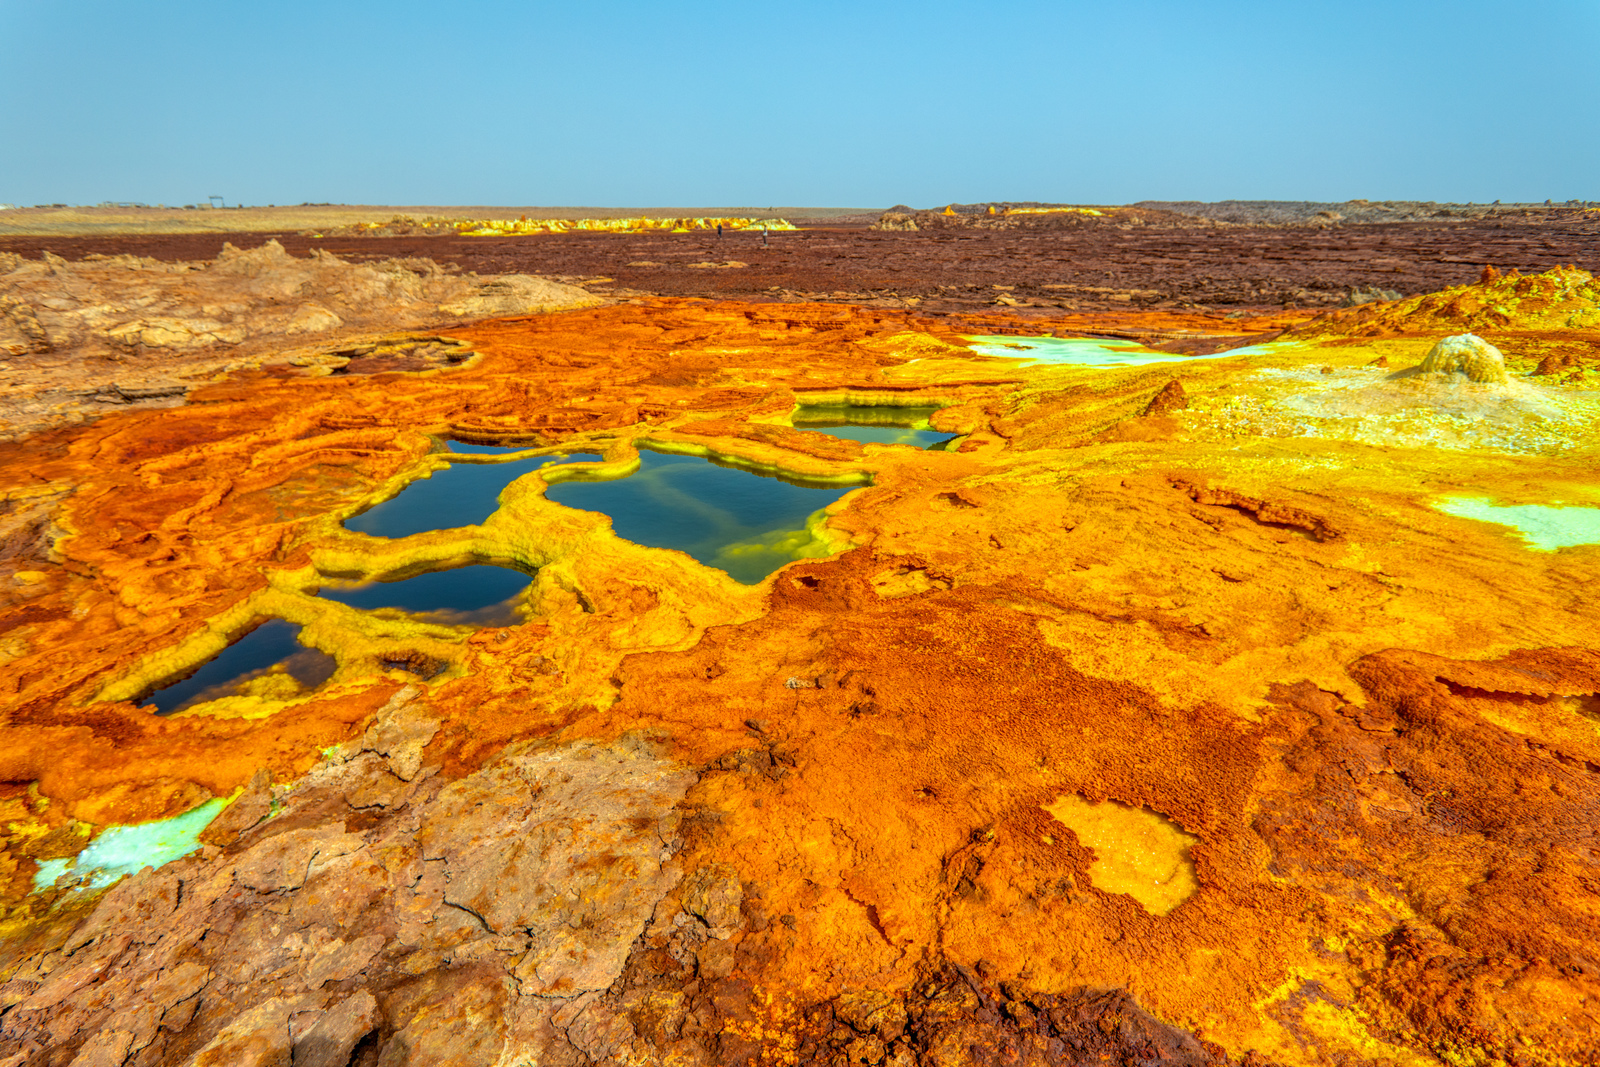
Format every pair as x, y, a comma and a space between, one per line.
810, 102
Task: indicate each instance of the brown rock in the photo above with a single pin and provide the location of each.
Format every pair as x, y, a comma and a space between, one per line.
258, 1037
107, 1048
340, 961
144, 902
1172, 397
463, 1023
177, 984
402, 730
253, 805
337, 1031
713, 895
83, 970
1555, 364
284, 860
569, 851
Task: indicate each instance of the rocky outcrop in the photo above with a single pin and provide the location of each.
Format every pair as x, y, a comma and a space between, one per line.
1359, 297
1559, 299
899, 217
373, 901
135, 320
517, 294
20, 329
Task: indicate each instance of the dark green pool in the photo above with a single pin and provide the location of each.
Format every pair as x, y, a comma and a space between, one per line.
724, 516
874, 424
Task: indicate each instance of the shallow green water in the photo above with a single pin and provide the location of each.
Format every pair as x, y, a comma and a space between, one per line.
874, 424
1090, 351
478, 594
251, 655
122, 850
1546, 528
724, 516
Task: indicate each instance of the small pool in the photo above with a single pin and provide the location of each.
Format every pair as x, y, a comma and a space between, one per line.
1546, 528
271, 644
871, 424
724, 516
478, 594
1091, 351
463, 494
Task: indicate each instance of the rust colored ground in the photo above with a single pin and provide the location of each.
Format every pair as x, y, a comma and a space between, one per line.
1378, 720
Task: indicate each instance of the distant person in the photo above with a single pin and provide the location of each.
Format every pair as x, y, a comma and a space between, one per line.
763, 237
719, 231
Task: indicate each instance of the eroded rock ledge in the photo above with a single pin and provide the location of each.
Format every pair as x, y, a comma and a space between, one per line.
130, 329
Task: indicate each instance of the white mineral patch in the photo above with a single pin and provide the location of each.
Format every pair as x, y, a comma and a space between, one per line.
121, 850
1546, 528
1091, 351
1406, 410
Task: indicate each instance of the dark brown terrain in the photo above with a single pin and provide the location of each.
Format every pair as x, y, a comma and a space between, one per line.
1085, 267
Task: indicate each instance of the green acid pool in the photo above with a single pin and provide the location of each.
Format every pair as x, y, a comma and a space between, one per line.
871, 424
746, 523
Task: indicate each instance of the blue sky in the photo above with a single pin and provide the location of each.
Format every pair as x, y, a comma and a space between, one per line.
805, 103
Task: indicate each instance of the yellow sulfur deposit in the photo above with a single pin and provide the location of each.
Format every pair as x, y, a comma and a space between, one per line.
1137, 852
1089, 211
524, 225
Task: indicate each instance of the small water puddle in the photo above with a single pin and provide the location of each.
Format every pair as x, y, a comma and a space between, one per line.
746, 524
463, 494
1091, 351
267, 658
875, 425
121, 850
479, 594
1546, 528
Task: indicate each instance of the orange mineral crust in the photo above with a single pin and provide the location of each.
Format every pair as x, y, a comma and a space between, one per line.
1235, 708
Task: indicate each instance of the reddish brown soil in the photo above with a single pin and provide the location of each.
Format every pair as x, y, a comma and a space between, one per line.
957, 271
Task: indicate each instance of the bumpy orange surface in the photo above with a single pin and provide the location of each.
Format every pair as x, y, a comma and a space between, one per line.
1376, 722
